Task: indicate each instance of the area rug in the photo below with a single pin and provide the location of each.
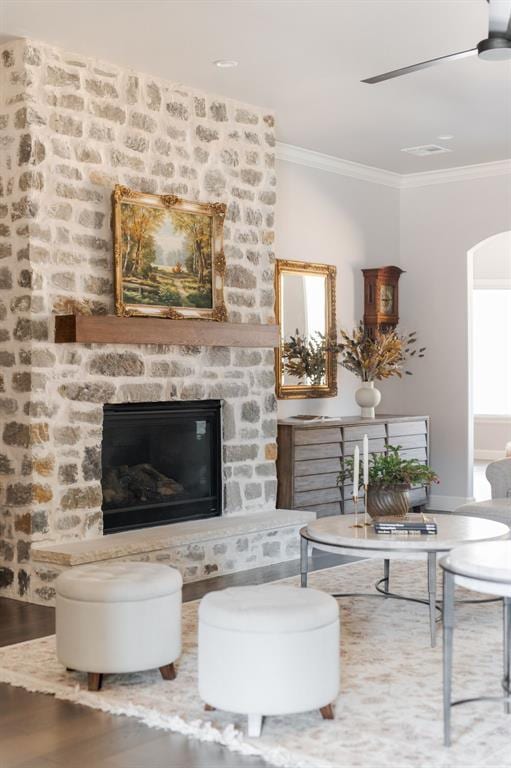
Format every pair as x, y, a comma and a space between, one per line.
389, 711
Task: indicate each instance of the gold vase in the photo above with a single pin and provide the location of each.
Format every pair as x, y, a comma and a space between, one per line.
390, 502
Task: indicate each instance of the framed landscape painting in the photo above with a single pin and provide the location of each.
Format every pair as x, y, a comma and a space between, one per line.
168, 256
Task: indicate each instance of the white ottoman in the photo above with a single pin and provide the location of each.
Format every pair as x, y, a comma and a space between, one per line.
119, 617
269, 650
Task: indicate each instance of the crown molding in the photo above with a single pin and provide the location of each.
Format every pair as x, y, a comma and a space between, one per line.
300, 156
460, 173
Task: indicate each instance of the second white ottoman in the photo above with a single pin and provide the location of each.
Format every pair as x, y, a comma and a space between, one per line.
269, 650
119, 617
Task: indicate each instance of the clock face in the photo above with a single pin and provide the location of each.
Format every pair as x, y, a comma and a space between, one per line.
387, 299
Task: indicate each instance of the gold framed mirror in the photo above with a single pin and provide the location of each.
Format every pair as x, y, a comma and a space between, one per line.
305, 312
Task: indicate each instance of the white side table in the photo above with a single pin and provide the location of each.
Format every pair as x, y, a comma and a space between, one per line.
483, 567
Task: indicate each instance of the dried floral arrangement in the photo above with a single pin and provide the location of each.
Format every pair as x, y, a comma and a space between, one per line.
390, 470
304, 357
373, 359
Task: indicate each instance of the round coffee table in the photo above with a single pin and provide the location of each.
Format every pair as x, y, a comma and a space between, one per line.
340, 535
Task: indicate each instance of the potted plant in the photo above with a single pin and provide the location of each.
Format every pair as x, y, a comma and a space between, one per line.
374, 359
390, 480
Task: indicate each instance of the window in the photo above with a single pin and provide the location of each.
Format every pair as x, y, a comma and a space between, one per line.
492, 351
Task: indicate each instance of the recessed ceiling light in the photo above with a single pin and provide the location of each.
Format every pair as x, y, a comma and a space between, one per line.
226, 63
445, 137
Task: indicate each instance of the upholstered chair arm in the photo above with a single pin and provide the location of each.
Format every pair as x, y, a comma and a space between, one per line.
498, 474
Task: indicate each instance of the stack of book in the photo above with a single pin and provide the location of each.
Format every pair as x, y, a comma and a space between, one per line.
427, 527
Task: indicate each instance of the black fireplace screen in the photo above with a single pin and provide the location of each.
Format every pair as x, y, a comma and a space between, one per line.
161, 463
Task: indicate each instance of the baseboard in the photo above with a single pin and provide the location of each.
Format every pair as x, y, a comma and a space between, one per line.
447, 503
482, 454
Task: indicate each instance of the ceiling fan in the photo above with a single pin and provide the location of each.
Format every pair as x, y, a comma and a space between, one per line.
497, 46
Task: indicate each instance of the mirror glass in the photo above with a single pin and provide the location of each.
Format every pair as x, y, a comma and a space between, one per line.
303, 315
305, 312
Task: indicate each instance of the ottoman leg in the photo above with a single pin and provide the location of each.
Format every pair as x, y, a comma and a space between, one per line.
168, 672
94, 681
327, 712
254, 725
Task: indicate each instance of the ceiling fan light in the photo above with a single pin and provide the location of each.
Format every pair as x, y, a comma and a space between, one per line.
495, 49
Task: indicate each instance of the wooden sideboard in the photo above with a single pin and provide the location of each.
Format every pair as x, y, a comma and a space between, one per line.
311, 454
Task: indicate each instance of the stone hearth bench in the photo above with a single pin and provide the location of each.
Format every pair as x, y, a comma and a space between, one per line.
198, 548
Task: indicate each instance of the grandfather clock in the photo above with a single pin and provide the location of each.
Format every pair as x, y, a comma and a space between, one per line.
381, 299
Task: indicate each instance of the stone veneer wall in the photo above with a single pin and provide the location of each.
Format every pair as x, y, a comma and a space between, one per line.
72, 128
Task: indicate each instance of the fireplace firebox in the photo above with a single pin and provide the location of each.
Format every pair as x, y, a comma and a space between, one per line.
161, 463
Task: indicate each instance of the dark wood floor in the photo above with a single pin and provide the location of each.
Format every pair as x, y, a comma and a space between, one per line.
39, 731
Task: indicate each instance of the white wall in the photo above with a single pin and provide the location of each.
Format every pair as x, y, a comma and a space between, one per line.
439, 224
327, 218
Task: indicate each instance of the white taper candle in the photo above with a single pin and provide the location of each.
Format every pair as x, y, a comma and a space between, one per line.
356, 463
366, 460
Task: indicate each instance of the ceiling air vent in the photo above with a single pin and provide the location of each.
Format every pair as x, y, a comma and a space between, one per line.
426, 149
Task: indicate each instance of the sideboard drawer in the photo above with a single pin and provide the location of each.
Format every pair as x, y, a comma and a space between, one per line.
315, 436
318, 451
408, 441
347, 491
317, 497
407, 428
326, 510
314, 482
414, 453
375, 446
371, 430
317, 466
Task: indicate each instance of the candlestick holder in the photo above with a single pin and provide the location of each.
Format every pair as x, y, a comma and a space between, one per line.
366, 519
356, 524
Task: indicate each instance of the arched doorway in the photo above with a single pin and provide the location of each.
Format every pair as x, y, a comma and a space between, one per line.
489, 375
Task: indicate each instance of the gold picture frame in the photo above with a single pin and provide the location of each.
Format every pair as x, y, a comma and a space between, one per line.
286, 390
168, 256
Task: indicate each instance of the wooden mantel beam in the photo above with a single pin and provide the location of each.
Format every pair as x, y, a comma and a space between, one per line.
109, 329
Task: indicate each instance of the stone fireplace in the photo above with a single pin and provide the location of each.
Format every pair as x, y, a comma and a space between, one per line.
74, 127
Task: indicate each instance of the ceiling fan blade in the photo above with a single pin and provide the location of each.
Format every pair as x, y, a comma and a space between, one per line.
500, 18
421, 65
